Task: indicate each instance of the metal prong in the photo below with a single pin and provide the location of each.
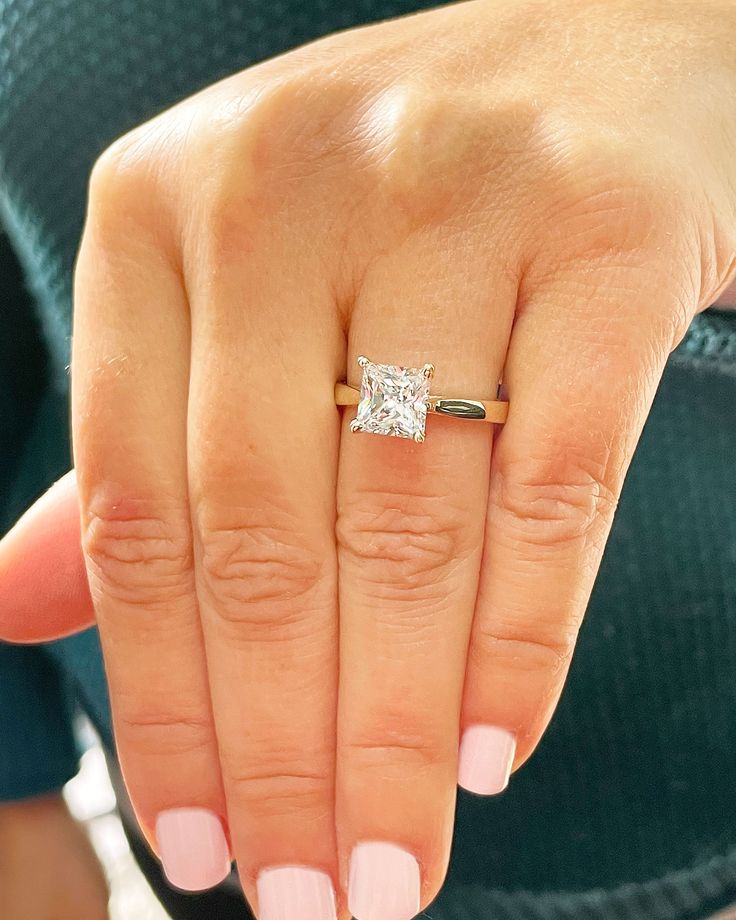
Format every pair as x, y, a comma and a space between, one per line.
355, 425
428, 371
419, 436
363, 361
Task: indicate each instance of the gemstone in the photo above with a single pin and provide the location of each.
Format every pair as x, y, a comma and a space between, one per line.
393, 401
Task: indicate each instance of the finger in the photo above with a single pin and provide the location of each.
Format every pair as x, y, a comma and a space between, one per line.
263, 448
410, 531
724, 297
585, 358
44, 593
129, 385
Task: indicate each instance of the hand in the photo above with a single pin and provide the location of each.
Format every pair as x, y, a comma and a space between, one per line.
539, 193
48, 869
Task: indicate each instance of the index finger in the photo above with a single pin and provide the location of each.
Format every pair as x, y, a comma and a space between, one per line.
129, 406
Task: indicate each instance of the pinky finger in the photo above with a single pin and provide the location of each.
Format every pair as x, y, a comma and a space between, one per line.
580, 380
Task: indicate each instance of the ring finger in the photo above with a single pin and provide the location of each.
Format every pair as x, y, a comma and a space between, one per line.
410, 535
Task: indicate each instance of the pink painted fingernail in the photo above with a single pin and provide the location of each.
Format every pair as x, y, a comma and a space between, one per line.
288, 892
193, 848
486, 756
384, 882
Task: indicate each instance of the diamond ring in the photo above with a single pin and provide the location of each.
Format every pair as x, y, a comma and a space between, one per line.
395, 400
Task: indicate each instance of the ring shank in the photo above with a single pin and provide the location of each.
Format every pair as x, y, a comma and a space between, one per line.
496, 410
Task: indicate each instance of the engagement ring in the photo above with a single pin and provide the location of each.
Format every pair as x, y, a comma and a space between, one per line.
395, 400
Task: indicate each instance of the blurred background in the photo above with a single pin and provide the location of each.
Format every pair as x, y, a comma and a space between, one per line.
91, 800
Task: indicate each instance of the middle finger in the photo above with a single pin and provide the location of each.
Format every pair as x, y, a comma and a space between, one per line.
262, 456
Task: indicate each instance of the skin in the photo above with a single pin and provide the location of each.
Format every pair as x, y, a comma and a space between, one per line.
297, 621
727, 300
48, 869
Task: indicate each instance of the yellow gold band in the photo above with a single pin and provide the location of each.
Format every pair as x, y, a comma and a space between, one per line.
487, 410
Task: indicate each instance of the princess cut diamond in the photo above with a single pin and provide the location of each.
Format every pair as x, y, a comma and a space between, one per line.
393, 400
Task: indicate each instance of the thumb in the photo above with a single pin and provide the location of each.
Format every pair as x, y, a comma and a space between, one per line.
43, 582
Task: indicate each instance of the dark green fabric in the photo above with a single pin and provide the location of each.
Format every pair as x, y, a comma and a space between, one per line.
37, 749
38, 752
625, 810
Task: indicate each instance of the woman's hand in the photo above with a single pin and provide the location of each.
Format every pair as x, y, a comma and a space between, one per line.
300, 623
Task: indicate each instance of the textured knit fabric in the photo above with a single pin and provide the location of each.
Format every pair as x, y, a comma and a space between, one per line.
37, 750
626, 809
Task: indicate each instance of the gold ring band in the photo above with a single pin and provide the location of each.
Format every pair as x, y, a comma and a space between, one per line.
494, 410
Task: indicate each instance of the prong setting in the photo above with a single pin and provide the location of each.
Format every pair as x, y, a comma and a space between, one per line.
363, 361
428, 371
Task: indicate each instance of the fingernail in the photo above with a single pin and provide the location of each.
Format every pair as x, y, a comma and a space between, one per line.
288, 892
193, 848
383, 882
486, 756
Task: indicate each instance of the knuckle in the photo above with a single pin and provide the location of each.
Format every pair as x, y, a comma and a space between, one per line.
273, 156
307, 123
263, 575
551, 502
121, 183
137, 552
146, 730
386, 745
714, 263
603, 196
279, 791
104, 178
267, 152
525, 650
133, 184
401, 546
436, 152
241, 195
